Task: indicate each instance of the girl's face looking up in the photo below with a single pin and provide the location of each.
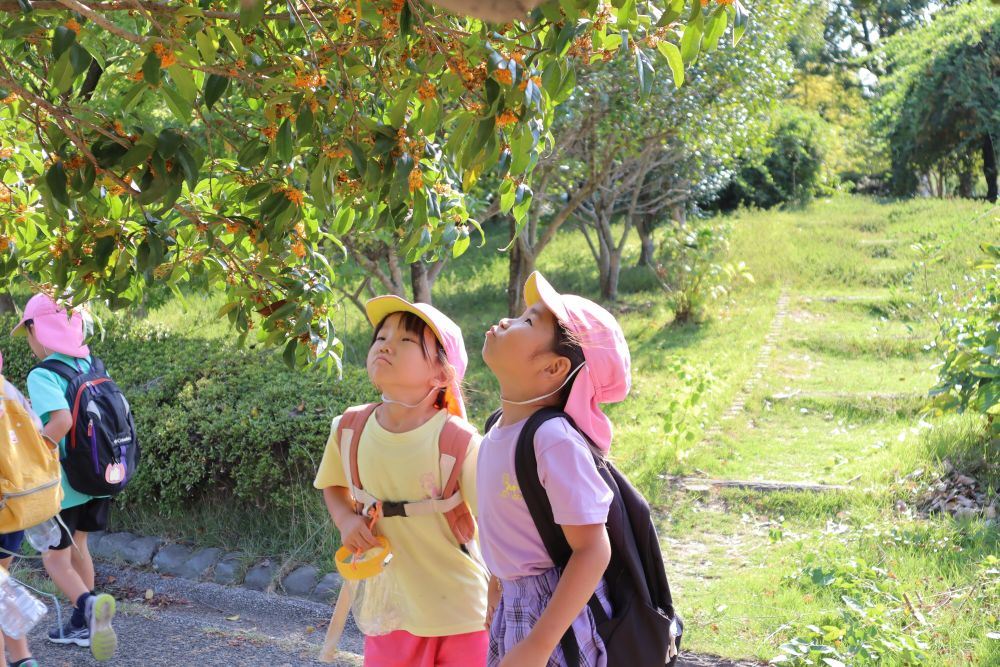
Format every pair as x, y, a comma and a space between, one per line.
405, 359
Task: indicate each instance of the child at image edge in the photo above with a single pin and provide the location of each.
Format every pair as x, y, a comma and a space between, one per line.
10, 543
417, 361
53, 333
564, 352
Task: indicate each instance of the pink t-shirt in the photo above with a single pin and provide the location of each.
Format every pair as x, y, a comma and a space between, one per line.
511, 544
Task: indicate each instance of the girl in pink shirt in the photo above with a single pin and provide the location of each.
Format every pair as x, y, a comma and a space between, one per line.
565, 352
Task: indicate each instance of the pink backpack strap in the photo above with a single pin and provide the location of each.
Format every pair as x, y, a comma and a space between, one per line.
351, 425
453, 443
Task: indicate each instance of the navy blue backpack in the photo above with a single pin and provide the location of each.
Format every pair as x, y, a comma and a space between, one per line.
638, 633
102, 451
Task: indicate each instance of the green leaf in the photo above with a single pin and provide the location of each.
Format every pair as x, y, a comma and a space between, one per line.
207, 46
715, 28
672, 12
284, 143
55, 178
178, 105
136, 155
740, 22
151, 69
62, 40
252, 153
522, 203
304, 121
215, 87
184, 81
80, 58
674, 59
691, 41
168, 142
251, 12
461, 245
20, 29
289, 354
62, 73
189, 166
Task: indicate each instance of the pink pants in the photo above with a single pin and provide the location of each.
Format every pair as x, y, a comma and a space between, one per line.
401, 649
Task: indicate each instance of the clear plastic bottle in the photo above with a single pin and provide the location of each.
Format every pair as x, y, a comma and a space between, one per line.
44, 536
20, 611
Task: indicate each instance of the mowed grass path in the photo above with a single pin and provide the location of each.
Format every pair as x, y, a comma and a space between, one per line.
838, 403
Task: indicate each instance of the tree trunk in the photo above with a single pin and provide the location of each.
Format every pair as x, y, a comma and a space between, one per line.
966, 182
521, 265
610, 290
7, 304
990, 168
645, 229
420, 283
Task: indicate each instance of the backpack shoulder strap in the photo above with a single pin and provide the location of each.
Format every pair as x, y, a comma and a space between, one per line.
60, 368
526, 467
492, 419
97, 366
349, 429
453, 444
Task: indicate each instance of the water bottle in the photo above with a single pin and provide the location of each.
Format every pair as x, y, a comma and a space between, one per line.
44, 536
19, 610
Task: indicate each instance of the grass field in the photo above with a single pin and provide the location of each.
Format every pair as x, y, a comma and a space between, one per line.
837, 402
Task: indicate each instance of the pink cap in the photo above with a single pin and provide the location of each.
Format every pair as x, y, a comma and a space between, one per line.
56, 331
445, 330
606, 376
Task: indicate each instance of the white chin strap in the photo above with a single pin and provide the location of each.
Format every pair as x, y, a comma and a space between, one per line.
544, 396
386, 399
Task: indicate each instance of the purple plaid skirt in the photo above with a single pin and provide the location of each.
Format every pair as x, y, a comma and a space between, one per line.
522, 603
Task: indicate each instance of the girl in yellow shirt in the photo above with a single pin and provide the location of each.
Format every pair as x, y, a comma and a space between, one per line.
417, 361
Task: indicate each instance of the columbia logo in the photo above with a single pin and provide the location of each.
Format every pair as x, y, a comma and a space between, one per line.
124, 440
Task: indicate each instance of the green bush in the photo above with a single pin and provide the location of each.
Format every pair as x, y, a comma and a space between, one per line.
969, 343
690, 267
213, 420
788, 170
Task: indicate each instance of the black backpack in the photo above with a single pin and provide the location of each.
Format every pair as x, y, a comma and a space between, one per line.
102, 452
638, 634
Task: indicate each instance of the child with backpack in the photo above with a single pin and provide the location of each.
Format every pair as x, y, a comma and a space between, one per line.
85, 414
577, 574
25, 502
408, 463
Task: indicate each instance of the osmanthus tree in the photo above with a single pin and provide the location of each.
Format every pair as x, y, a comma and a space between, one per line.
237, 144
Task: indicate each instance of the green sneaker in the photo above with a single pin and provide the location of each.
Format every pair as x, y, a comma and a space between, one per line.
100, 612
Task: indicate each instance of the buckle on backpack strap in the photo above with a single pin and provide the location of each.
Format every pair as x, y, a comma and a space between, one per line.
393, 509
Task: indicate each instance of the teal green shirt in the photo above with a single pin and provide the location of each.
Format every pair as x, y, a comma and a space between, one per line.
47, 392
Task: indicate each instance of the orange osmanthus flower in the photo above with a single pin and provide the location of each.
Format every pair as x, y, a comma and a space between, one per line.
415, 180
504, 76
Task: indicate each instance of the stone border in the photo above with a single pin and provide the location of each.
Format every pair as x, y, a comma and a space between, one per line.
214, 565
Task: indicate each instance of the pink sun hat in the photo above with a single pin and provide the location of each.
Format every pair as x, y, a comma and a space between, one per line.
56, 331
444, 329
606, 375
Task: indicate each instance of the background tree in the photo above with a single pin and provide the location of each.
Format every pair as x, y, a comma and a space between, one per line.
939, 106
236, 144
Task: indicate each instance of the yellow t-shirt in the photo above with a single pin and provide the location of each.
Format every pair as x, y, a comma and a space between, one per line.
443, 590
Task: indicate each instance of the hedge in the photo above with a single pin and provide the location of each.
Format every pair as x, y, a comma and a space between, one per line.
213, 420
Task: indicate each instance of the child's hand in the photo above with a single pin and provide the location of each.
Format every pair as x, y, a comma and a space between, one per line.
527, 653
492, 600
356, 535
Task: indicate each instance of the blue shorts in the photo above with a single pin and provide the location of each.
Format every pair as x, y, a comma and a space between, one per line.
11, 542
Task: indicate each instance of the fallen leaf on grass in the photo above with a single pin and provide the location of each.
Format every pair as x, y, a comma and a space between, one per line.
149, 594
